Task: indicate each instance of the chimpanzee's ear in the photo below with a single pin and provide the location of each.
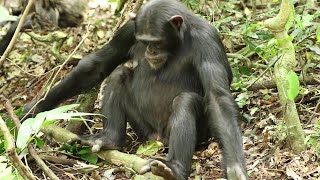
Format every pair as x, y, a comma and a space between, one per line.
132, 16
176, 21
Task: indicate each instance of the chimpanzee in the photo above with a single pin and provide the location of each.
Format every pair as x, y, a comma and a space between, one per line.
4, 42
178, 93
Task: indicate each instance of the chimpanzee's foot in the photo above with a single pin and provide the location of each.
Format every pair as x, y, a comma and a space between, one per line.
235, 172
164, 169
97, 141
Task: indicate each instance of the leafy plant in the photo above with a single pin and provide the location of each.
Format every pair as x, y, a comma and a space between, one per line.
31, 126
83, 152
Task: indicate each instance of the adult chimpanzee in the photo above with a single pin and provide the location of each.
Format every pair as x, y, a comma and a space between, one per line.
178, 93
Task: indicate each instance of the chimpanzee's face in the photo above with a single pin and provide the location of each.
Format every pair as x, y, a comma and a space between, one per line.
156, 52
160, 32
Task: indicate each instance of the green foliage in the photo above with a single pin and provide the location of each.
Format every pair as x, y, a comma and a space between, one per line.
6, 170
293, 85
150, 148
243, 99
192, 4
13, 130
313, 139
86, 154
32, 126
83, 152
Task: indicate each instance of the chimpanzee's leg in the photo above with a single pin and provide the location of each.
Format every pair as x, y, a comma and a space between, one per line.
182, 132
115, 98
223, 111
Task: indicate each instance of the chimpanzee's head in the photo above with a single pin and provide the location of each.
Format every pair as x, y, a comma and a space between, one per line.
160, 25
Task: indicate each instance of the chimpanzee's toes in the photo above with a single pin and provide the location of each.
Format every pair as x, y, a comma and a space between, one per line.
235, 172
158, 168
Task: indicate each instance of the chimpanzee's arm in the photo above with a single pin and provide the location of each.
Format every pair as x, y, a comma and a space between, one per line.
7, 38
215, 75
92, 69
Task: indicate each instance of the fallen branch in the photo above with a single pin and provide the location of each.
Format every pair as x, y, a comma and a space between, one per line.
270, 84
41, 164
111, 156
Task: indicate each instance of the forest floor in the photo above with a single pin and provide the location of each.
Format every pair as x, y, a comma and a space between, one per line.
266, 148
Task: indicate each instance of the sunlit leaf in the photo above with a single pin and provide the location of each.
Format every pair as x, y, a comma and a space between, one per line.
150, 148
5, 16
90, 157
293, 85
24, 133
307, 20
85, 150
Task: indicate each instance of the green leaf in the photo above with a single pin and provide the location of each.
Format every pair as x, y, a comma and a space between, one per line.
24, 133
90, 157
293, 85
5, 16
3, 166
318, 33
85, 150
3, 159
150, 148
65, 108
68, 115
315, 49
244, 70
6, 172
33, 125
307, 20
39, 142
69, 148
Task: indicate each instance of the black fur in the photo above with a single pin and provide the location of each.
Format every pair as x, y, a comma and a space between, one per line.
182, 102
7, 38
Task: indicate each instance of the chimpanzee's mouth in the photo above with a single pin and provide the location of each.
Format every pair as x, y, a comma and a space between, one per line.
156, 58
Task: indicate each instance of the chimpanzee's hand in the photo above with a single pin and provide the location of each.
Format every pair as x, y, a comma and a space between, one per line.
29, 111
97, 141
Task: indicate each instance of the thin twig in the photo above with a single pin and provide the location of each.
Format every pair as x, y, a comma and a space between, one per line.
16, 33
264, 72
41, 164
